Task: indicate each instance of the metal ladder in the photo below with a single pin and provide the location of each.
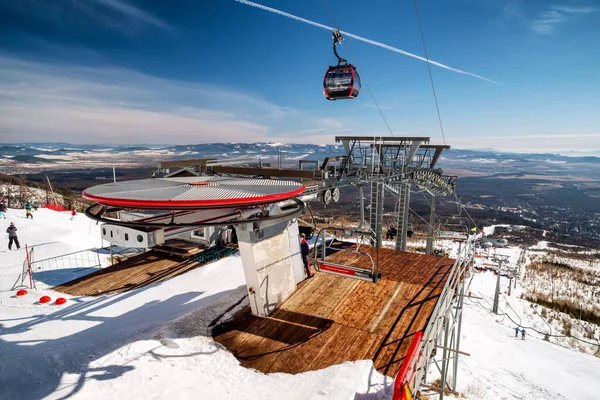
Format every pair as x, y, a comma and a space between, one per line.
402, 222
376, 211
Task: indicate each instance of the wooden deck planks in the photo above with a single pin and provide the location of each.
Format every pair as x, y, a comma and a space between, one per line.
331, 319
133, 273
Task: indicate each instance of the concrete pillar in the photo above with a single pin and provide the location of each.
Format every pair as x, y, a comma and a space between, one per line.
272, 263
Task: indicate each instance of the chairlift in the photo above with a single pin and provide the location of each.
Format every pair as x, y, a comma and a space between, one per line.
455, 228
457, 224
341, 81
368, 274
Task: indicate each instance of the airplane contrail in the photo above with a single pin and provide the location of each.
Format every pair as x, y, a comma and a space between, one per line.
362, 39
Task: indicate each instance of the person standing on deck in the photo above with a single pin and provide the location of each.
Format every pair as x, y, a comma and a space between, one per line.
304, 250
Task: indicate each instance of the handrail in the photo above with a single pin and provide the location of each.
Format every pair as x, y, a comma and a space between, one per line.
64, 255
436, 321
70, 260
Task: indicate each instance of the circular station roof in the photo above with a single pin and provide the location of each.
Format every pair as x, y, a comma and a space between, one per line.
193, 192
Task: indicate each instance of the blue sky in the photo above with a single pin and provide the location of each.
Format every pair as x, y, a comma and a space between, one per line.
187, 71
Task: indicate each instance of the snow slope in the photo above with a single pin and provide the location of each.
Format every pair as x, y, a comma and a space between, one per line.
152, 343
501, 366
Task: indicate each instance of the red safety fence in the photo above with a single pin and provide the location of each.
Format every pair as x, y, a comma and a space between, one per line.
55, 207
407, 370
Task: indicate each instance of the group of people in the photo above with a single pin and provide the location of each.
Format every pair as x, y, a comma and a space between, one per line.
12, 229
522, 332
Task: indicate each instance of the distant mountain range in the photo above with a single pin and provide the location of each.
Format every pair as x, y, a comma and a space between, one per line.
37, 157
21, 151
550, 190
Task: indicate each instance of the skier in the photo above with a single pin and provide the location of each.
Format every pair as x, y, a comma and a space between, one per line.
12, 236
2, 210
304, 251
523, 333
73, 214
35, 205
28, 213
517, 331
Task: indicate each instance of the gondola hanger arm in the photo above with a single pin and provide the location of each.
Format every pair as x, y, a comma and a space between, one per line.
337, 38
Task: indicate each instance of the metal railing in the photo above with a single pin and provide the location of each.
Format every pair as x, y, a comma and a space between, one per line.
76, 261
443, 331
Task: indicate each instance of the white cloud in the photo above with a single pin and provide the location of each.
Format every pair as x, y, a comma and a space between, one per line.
117, 15
547, 20
98, 105
576, 10
530, 143
134, 13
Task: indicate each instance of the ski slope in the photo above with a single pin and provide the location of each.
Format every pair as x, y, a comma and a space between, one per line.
501, 366
154, 343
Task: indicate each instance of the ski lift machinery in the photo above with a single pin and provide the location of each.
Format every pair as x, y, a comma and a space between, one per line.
341, 81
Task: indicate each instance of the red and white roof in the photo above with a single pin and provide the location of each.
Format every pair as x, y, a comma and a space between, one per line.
193, 192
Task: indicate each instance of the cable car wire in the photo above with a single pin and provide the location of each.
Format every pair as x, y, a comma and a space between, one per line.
365, 40
352, 59
437, 107
423, 219
463, 208
436, 215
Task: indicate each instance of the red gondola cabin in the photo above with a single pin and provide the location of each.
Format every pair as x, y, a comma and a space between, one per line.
341, 82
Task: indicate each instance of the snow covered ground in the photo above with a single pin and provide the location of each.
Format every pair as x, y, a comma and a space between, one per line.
50, 234
501, 366
154, 343
504, 367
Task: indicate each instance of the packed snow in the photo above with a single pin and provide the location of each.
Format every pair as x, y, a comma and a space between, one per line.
155, 342
150, 343
502, 366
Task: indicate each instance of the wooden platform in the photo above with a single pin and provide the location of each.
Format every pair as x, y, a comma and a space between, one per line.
331, 319
131, 274
179, 248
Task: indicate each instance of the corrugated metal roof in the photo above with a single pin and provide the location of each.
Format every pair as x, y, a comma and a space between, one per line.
181, 190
